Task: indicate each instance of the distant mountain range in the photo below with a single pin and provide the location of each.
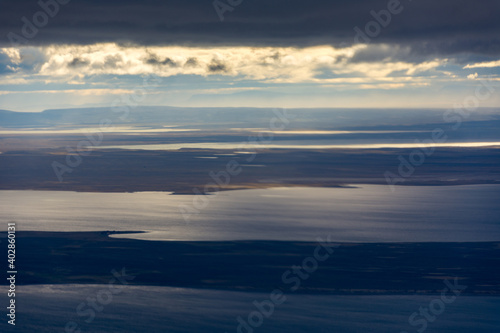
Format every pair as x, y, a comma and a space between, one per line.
218, 118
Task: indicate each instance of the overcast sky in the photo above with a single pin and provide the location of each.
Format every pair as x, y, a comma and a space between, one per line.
283, 53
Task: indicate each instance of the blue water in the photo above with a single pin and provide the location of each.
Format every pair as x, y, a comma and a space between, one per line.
369, 213
49, 308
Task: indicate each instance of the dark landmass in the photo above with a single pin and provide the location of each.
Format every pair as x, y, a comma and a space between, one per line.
182, 171
27, 156
369, 268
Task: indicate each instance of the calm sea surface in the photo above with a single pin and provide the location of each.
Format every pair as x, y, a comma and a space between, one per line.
368, 213
48, 308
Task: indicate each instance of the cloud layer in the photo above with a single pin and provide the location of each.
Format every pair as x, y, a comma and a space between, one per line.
318, 64
62, 53
425, 26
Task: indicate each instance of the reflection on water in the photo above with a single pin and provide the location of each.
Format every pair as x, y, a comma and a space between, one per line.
48, 308
290, 145
370, 213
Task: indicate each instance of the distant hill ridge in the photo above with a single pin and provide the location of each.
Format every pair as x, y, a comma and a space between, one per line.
235, 117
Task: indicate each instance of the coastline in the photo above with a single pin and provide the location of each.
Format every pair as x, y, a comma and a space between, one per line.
257, 266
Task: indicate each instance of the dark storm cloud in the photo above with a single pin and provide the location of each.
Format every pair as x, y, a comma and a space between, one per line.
426, 26
191, 62
78, 62
153, 59
109, 62
217, 66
